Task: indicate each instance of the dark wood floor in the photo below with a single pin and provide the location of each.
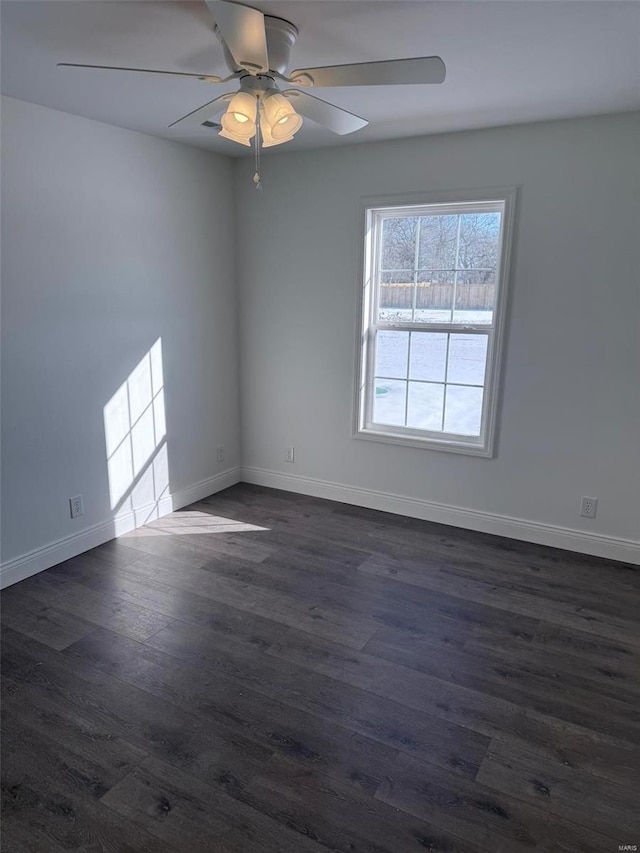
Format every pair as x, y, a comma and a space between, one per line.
270, 672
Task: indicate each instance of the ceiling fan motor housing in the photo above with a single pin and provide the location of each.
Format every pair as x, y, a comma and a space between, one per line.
281, 36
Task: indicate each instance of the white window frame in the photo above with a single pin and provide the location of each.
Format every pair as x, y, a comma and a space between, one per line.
374, 209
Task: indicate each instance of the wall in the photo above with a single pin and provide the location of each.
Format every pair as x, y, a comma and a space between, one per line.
111, 240
569, 423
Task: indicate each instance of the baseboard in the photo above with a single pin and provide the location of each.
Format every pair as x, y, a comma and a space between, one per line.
70, 546
598, 545
207, 487
612, 548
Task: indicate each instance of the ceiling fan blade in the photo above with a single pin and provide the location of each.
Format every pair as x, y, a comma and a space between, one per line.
209, 78
196, 118
388, 72
335, 118
243, 31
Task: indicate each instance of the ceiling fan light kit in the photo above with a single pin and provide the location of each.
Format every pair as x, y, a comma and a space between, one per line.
260, 105
257, 51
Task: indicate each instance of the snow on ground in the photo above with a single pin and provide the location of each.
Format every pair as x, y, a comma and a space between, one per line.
417, 379
435, 315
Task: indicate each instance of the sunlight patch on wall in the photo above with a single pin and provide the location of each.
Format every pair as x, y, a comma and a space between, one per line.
135, 438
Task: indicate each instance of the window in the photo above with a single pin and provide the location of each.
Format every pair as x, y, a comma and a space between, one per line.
433, 304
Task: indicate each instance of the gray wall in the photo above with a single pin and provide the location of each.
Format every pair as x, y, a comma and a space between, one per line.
569, 424
111, 240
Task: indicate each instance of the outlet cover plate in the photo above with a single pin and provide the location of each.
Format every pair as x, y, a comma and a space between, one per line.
588, 507
76, 507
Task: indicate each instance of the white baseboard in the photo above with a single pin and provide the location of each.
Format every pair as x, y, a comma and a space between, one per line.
598, 545
70, 546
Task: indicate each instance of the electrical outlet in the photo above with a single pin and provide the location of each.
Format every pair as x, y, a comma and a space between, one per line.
76, 506
589, 507
220, 453
291, 452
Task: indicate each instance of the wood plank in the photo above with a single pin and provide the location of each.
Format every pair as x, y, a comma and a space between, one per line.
379, 600
449, 633
223, 689
433, 541
501, 823
74, 758
342, 819
608, 655
179, 604
285, 607
581, 797
50, 625
98, 608
597, 752
78, 729
394, 671
18, 836
507, 677
190, 815
602, 621
533, 659
49, 788
248, 500
218, 752
559, 586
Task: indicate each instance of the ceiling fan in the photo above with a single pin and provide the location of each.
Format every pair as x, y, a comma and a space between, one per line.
257, 49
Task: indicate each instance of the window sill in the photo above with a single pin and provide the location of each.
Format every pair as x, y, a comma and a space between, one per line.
469, 448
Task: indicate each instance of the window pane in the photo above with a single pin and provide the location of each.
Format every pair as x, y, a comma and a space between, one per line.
486, 276
428, 356
467, 359
395, 298
399, 243
391, 278
475, 296
389, 402
478, 245
463, 410
438, 242
424, 409
392, 352
434, 296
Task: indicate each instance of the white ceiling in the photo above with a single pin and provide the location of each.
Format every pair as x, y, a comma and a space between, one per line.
507, 62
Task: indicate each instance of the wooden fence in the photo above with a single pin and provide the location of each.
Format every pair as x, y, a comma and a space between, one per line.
468, 296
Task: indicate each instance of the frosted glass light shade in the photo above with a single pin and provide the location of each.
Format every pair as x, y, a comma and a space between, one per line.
283, 120
243, 140
239, 121
267, 137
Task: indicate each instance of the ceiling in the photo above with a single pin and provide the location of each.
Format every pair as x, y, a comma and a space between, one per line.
507, 62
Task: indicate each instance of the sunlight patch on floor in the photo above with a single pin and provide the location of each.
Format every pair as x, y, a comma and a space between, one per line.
194, 523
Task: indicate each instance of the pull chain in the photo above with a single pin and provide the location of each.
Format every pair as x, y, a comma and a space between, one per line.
256, 177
